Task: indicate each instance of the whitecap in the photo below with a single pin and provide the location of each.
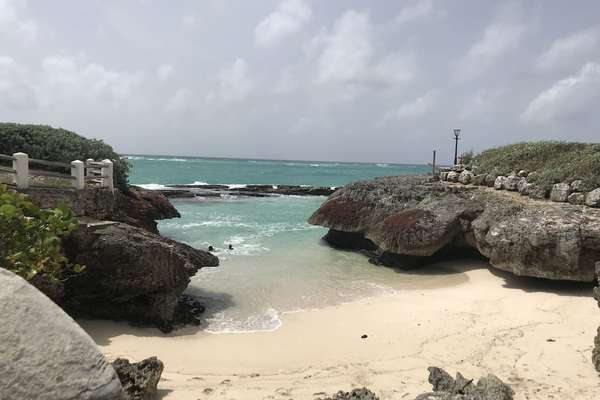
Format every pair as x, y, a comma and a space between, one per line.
152, 186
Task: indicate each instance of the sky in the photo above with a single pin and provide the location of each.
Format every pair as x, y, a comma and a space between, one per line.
382, 81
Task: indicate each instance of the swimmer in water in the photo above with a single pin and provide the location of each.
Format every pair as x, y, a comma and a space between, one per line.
210, 248
230, 247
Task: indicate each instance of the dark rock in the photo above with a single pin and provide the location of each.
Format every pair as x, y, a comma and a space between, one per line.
460, 388
348, 240
139, 380
490, 179
130, 274
415, 218
137, 207
355, 394
539, 192
479, 180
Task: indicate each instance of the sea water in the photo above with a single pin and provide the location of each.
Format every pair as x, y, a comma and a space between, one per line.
278, 263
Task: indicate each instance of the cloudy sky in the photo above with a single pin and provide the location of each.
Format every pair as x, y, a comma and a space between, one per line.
303, 79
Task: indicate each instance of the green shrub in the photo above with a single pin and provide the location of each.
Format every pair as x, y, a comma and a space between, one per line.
553, 161
30, 238
47, 143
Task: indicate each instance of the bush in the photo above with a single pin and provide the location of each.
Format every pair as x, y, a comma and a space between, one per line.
552, 160
30, 238
47, 143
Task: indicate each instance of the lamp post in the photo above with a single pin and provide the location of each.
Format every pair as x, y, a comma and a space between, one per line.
456, 138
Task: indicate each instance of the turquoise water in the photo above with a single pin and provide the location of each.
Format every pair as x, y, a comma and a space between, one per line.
278, 263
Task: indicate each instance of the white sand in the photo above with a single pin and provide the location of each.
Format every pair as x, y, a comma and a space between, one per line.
490, 324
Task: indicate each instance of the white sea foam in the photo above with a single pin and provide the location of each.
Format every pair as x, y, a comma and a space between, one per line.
152, 186
383, 165
267, 321
199, 183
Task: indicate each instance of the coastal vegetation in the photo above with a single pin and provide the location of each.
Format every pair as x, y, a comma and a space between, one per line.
553, 161
30, 238
57, 144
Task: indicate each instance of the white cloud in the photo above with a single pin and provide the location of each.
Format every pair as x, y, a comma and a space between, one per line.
481, 105
418, 9
16, 91
395, 68
234, 82
71, 79
189, 21
347, 50
180, 101
164, 72
564, 51
569, 99
499, 39
416, 108
287, 81
287, 19
13, 25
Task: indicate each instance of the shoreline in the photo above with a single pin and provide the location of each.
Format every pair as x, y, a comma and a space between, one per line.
536, 338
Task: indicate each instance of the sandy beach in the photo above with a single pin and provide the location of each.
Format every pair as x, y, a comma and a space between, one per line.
535, 335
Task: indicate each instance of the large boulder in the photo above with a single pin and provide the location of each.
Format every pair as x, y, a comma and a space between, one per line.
499, 182
592, 199
139, 380
511, 182
44, 354
413, 216
453, 176
137, 206
130, 274
560, 192
465, 177
445, 387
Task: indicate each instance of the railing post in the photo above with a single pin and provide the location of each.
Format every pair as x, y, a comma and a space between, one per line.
78, 171
107, 170
21, 167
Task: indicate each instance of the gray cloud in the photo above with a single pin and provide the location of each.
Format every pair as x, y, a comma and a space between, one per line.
341, 80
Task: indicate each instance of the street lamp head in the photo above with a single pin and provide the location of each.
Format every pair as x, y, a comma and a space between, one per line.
456, 133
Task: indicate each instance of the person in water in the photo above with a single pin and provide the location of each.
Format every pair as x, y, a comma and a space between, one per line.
230, 247
210, 248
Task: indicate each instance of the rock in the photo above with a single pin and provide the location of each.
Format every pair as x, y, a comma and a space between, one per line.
139, 380
44, 354
419, 218
453, 176
355, 394
580, 186
511, 183
138, 207
500, 182
576, 198
560, 192
539, 192
522, 173
445, 387
592, 199
444, 176
350, 241
479, 180
523, 187
465, 177
490, 179
130, 274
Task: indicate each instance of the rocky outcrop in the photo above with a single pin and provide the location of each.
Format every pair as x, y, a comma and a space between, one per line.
417, 216
355, 394
596, 350
130, 274
137, 207
445, 387
139, 380
44, 354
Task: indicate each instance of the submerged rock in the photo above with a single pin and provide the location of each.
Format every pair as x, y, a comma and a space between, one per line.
445, 387
414, 216
44, 354
139, 380
130, 274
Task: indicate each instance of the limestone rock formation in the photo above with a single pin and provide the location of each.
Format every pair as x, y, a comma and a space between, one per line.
416, 216
592, 199
445, 387
44, 354
139, 380
355, 394
130, 274
138, 207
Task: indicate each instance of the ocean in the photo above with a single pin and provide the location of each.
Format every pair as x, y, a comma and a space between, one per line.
279, 263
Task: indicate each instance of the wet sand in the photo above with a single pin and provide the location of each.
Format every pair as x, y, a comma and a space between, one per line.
535, 335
